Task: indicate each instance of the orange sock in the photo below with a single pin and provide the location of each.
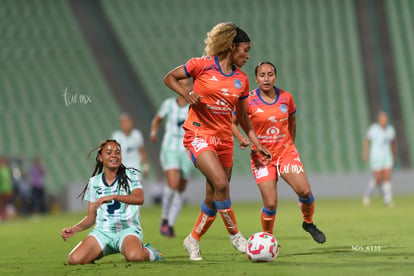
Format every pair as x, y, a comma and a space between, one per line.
203, 223
307, 206
307, 212
268, 221
229, 220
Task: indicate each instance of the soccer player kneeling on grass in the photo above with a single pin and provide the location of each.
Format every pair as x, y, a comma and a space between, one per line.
114, 194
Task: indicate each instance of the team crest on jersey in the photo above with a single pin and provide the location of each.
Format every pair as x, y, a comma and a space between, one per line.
283, 108
237, 84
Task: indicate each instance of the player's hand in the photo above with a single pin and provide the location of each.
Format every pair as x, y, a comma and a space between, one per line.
265, 153
67, 233
192, 97
102, 200
153, 136
244, 143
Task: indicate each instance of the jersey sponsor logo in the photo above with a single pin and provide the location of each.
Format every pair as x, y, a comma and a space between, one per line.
261, 172
283, 108
213, 78
237, 83
198, 144
221, 107
272, 131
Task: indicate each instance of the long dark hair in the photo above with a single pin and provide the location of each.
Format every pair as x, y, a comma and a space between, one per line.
121, 173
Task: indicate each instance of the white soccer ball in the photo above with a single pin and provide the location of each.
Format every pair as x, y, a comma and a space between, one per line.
262, 247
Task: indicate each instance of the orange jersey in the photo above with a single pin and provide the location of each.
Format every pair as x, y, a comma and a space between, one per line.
270, 120
220, 93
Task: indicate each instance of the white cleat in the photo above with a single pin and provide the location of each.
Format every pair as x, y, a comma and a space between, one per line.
193, 249
239, 242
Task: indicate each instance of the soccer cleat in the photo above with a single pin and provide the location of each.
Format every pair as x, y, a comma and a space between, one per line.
158, 256
164, 227
316, 234
239, 242
171, 233
193, 249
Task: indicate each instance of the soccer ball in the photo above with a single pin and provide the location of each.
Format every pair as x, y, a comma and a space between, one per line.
262, 247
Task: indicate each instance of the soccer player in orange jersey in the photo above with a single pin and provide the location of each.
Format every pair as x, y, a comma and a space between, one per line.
272, 113
219, 87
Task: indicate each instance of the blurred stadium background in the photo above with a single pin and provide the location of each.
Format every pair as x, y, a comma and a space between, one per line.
343, 61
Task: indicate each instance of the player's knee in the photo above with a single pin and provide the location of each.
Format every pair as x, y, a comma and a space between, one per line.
222, 188
74, 259
135, 256
271, 206
305, 193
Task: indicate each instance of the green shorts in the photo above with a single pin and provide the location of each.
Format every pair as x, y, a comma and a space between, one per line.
177, 160
111, 243
381, 163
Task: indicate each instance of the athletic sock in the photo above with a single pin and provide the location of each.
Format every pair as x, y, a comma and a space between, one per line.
204, 221
307, 206
371, 188
166, 201
386, 189
268, 218
151, 255
175, 208
227, 214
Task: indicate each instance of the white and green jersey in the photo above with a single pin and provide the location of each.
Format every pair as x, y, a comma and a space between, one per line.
130, 147
380, 146
114, 216
174, 133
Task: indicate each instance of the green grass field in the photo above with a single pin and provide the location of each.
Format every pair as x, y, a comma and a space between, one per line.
360, 241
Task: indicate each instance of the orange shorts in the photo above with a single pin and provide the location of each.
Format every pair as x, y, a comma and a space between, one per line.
288, 162
196, 145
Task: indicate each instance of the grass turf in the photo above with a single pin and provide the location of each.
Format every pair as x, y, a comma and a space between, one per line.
374, 240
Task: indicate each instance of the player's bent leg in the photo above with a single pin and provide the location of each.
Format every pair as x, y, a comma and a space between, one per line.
133, 250
85, 252
210, 166
300, 184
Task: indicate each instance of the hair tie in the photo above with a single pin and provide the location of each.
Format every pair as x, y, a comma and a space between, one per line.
241, 36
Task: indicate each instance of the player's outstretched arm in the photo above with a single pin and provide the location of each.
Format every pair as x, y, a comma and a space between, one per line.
84, 224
